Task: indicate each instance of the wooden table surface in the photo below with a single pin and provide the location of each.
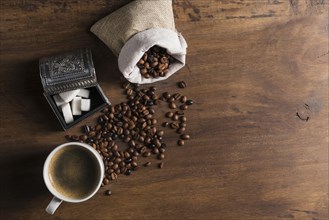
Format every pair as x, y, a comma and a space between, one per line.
258, 74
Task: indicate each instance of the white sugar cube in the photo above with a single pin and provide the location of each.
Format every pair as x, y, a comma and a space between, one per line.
84, 93
76, 106
85, 104
58, 100
69, 95
67, 113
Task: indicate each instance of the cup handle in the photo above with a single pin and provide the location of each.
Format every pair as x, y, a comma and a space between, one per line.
53, 205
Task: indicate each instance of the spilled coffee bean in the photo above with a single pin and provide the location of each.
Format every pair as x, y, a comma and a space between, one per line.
108, 192
133, 122
181, 84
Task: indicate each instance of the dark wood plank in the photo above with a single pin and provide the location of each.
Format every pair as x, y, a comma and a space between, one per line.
251, 67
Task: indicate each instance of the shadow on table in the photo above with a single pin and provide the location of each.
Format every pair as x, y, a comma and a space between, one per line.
22, 181
25, 92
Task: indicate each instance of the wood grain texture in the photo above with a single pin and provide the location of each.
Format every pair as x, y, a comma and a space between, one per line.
258, 74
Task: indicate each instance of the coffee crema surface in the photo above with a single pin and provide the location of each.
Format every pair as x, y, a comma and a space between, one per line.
74, 172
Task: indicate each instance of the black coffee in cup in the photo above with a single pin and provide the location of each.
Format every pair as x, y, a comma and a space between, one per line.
74, 172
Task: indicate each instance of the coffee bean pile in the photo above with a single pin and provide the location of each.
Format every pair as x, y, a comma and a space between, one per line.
133, 123
155, 62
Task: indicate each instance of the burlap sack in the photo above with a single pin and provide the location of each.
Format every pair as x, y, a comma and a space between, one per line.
131, 30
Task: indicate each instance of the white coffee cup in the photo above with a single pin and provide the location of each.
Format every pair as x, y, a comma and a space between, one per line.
58, 197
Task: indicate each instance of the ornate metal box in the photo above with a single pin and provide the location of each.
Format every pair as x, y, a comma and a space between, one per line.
70, 71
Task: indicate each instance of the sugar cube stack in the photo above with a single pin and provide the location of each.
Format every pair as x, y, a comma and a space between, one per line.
72, 103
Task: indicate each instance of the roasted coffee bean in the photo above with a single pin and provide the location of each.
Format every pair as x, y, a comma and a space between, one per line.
171, 99
128, 172
160, 133
91, 134
106, 181
169, 114
166, 95
165, 124
161, 156
105, 110
158, 142
117, 160
181, 84
134, 164
161, 165
175, 117
108, 192
117, 171
185, 136
83, 137
126, 154
126, 85
110, 171
179, 113
189, 102
143, 149
180, 142
114, 176
180, 130
183, 99
162, 150
144, 72
183, 107
122, 164
155, 150
86, 129
126, 139
182, 119
146, 154
152, 111
177, 96
147, 164
172, 105
115, 147
115, 166
173, 125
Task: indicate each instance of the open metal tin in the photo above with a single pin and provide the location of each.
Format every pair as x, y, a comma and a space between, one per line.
70, 71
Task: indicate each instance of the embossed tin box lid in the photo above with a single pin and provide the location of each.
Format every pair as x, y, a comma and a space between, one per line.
69, 71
